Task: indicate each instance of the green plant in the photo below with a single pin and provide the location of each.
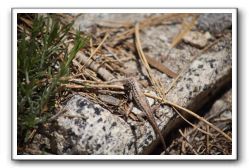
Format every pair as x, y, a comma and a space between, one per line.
42, 60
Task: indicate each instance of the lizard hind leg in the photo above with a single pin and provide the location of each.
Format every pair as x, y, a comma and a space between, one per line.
154, 110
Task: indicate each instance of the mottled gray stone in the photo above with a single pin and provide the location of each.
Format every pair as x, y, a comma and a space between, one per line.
86, 22
214, 22
87, 128
201, 78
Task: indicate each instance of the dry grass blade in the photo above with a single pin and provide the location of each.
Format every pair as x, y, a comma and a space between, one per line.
26, 21
114, 24
145, 62
191, 113
54, 117
208, 119
151, 21
77, 86
211, 45
186, 27
194, 126
94, 52
188, 142
199, 118
208, 145
94, 66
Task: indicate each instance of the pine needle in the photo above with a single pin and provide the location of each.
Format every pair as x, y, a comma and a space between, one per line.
145, 62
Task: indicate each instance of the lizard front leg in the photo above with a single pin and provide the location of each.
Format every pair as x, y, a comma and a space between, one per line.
129, 109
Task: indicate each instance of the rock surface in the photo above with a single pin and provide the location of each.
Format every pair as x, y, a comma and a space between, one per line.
197, 39
88, 128
215, 23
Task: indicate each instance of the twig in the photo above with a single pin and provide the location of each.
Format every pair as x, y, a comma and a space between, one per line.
159, 66
186, 27
208, 149
32, 134
54, 117
151, 21
191, 113
145, 62
208, 119
188, 142
211, 45
94, 52
194, 126
153, 63
81, 58
77, 86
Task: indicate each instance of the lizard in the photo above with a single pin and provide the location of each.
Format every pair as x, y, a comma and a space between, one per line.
136, 94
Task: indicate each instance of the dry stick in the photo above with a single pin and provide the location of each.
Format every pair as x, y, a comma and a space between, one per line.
32, 134
27, 21
188, 142
112, 92
81, 58
159, 66
178, 38
183, 149
80, 81
94, 52
153, 20
110, 50
186, 28
114, 55
208, 149
193, 125
156, 64
115, 24
77, 86
113, 64
144, 61
199, 118
106, 65
208, 119
191, 113
54, 117
90, 74
211, 45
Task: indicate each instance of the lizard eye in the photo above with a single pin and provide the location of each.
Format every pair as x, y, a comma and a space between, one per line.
126, 86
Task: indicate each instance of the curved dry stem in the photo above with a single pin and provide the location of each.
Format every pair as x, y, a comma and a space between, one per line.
164, 101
